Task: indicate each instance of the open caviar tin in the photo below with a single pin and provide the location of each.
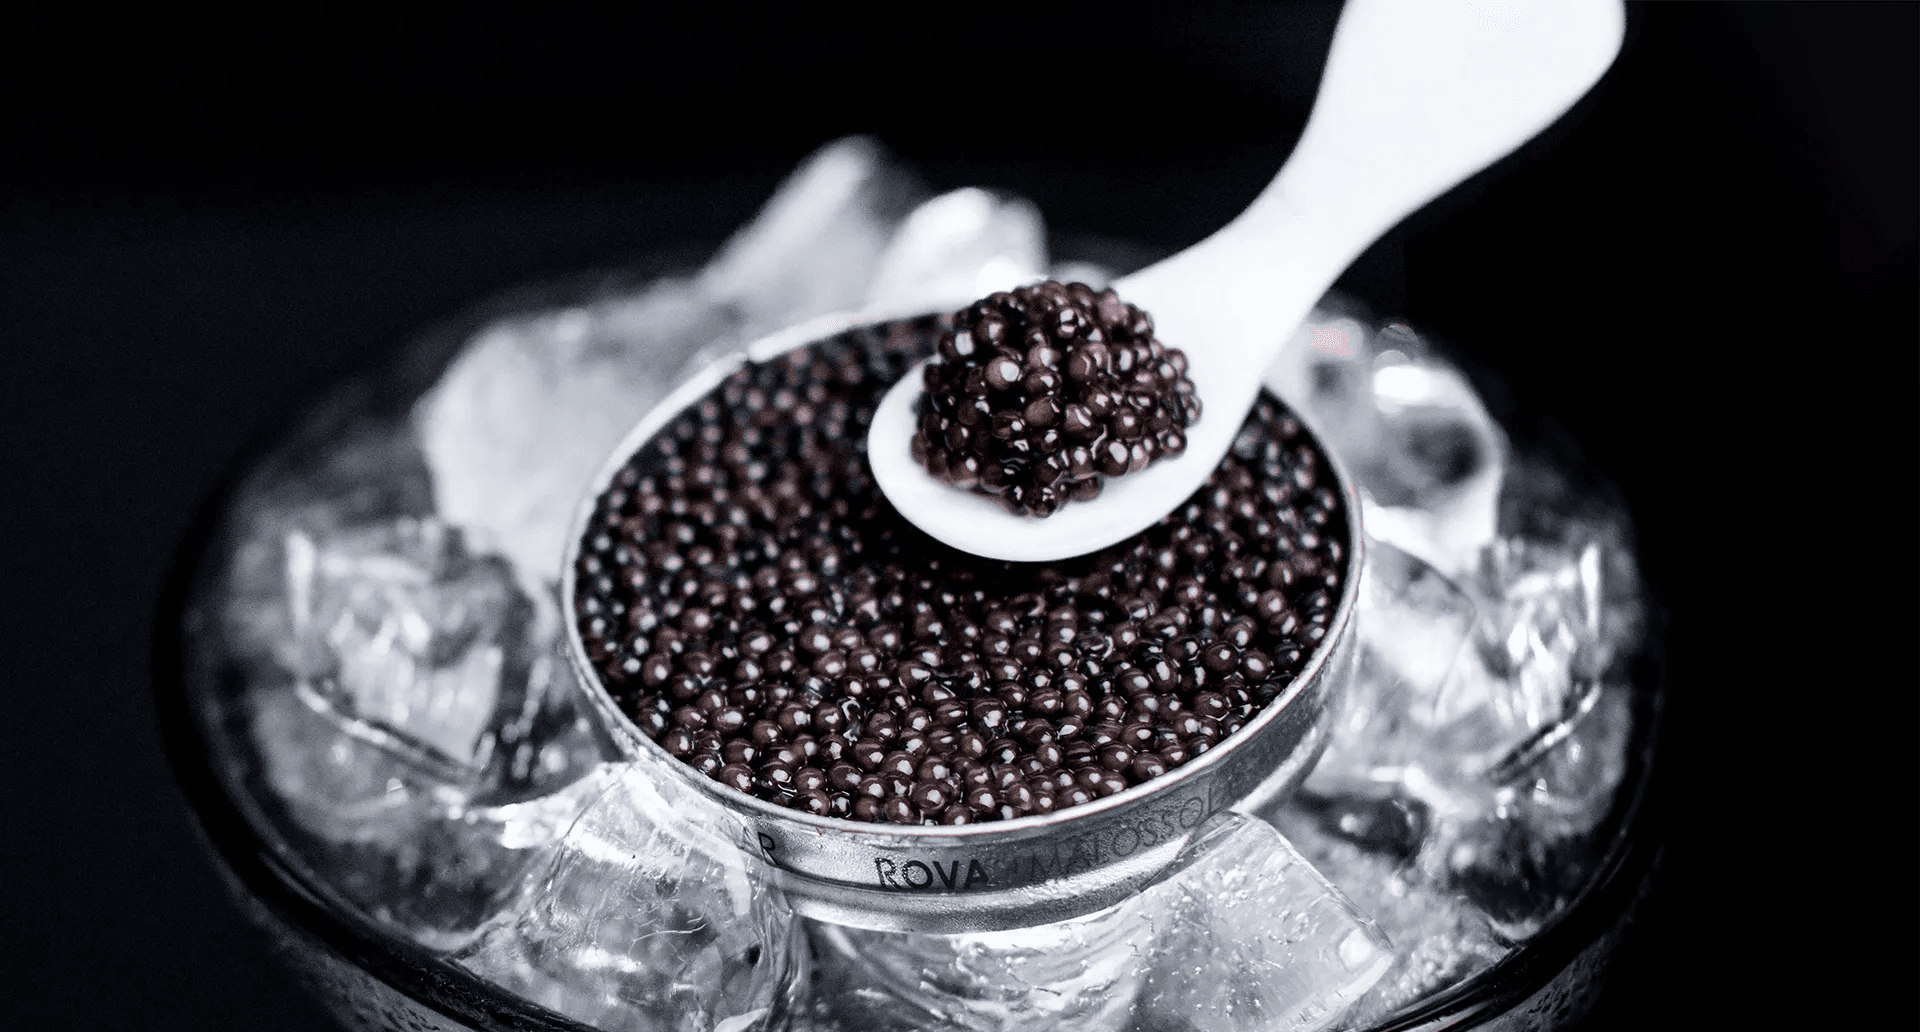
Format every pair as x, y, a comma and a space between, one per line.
998, 874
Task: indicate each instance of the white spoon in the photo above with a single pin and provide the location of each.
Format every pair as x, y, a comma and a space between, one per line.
1417, 96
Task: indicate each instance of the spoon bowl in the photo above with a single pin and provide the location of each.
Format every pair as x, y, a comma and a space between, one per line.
1417, 96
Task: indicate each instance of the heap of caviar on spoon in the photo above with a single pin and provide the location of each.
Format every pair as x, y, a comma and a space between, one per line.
1041, 392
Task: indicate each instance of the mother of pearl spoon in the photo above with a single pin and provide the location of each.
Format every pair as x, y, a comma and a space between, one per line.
1417, 96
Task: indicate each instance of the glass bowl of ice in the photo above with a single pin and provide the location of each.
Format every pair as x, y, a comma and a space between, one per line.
368, 695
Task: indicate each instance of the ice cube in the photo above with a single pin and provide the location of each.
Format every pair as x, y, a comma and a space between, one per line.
526, 414
1574, 604
531, 407
1515, 843
334, 785
1415, 620
1554, 617
957, 248
1571, 786
386, 835
402, 638
1370, 848
1524, 859
1428, 457
422, 634
1543, 618
1249, 937
816, 246
1560, 608
1239, 934
346, 473
1464, 782
399, 630
652, 913
1455, 891
412, 739
1459, 685
1078, 975
1414, 625
1373, 734
1433, 482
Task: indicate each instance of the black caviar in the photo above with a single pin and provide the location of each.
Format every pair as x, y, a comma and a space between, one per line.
1041, 391
757, 607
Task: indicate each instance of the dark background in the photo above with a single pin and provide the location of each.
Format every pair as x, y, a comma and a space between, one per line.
1705, 275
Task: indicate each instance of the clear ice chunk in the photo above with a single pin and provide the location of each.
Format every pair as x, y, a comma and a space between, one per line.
1370, 849
1414, 625
1460, 685
652, 913
1525, 859
399, 626
531, 407
1428, 457
403, 638
397, 843
1542, 631
957, 248
1239, 935
1481, 744
1555, 617
1415, 620
525, 415
818, 243
1434, 480
1570, 788
1473, 806
407, 732
1249, 937
1455, 887
1074, 976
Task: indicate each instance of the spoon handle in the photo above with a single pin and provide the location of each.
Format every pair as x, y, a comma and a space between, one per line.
1420, 94
1417, 95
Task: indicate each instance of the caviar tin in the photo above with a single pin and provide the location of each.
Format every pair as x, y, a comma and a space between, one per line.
998, 874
